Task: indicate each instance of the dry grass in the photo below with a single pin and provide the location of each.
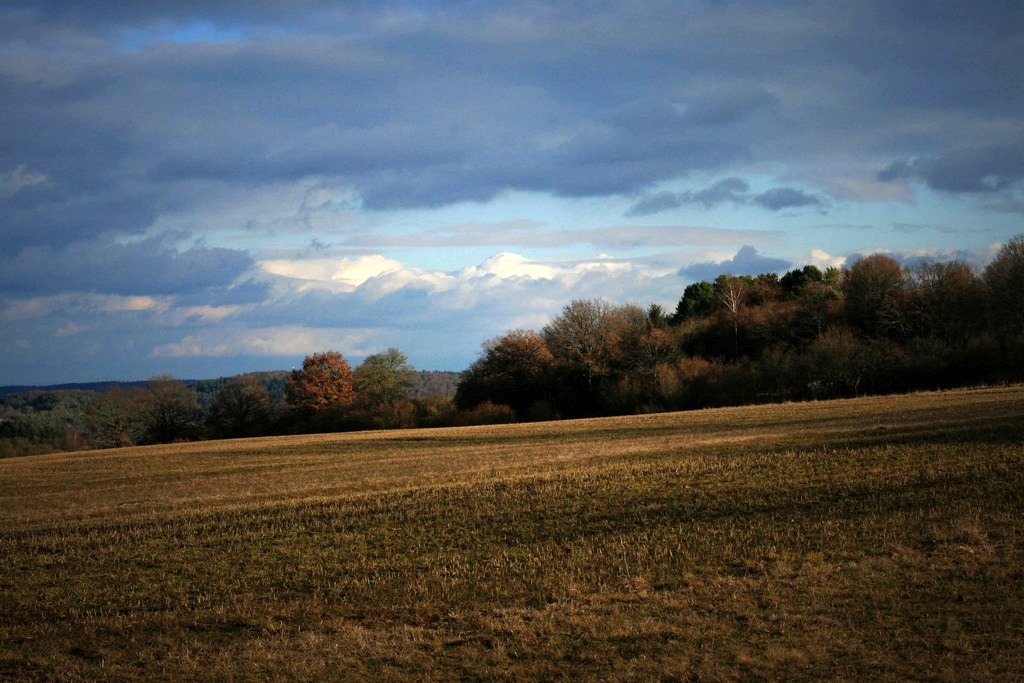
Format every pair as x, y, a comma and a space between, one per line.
873, 539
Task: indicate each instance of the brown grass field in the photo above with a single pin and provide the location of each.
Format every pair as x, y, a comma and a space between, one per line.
868, 539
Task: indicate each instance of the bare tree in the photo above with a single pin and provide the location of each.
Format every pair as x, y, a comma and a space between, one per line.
171, 412
1005, 279
583, 336
947, 301
732, 293
113, 419
240, 408
876, 288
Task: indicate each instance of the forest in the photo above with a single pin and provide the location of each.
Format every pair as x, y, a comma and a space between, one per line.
166, 410
874, 327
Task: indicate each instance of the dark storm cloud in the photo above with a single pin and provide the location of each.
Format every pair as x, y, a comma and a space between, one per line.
746, 262
148, 267
987, 169
83, 187
423, 104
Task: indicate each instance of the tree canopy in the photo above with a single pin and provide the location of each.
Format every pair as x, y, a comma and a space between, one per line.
325, 381
383, 377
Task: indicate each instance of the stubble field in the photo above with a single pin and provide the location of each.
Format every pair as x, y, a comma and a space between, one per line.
870, 539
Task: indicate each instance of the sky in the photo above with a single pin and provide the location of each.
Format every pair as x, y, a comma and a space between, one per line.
202, 189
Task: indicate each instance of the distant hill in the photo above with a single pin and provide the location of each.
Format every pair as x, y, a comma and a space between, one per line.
76, 386
429, 383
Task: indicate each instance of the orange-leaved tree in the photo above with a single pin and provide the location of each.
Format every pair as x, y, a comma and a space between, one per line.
325, 381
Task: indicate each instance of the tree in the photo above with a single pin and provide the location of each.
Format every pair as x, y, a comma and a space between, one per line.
698, 301
818, 302
240, 408
382, 384
383, 378
836, 364
657, 316
113, 419
325, 381
171, 412
514, 370
642, 353
731, 292
764, 289
795, 281
582, 338
641, 342
875, 288
947, 301
1004, 277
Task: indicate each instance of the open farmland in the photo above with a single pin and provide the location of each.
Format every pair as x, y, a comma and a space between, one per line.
876, 538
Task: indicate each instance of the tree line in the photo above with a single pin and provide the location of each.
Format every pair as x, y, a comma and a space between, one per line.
385, 391
874, 327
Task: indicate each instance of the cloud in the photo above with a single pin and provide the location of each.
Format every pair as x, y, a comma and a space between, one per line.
824, 260
727, 191
988, 169
286, 341
728, 104
534, 234
785, 198
507, 265
459, 309
20, 177
347, 273
747, 261
149, 266
439, 319
69, 330
501, 139
591, 100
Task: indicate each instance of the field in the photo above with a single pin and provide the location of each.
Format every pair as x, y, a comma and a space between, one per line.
869, 539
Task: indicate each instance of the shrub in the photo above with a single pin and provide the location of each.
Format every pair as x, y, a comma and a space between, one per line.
486, 413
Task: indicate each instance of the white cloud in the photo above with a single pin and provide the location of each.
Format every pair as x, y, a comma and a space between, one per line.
401, 278
824, 260
348, 273
274, 341
117, 303
70, 329
20, 177
508, 265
